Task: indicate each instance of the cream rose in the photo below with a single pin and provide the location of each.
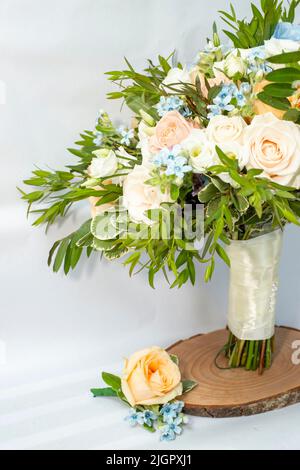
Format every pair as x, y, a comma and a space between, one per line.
223, 129
105, 164
150, 377
174, 79
139, 197
273, 146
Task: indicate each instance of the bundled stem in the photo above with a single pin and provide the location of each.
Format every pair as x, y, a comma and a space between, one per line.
253, 355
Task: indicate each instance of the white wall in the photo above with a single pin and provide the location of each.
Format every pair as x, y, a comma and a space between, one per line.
53, 55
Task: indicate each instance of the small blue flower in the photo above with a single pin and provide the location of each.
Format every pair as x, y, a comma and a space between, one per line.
185, 111
167, 104
148, 417
245, 88
98, 138
287, 31
172, 103
168, 413
214, 111
166, 155
135, 418
169, 432
177, 406
240, 98
127, 135
178, 167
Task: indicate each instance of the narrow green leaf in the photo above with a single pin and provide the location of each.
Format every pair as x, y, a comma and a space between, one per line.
103, 392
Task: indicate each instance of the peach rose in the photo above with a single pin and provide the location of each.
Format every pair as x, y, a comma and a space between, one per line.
150, 377
273, 146
262, 108
170, 130
139, 197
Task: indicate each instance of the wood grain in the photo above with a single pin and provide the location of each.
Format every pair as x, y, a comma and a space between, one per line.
237, 392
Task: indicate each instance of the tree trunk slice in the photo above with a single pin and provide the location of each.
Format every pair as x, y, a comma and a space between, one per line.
237, 392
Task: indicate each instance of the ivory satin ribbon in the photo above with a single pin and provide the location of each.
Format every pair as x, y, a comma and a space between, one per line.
253, 286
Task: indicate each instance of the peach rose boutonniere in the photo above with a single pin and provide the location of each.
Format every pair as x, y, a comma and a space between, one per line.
150, 383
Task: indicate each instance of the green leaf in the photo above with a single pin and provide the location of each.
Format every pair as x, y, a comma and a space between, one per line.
282, 104
174, 359
112, 380
103, 392
285, 58
222, 253
292, 115
174, 192
188, 385
207, 193
282, 90
287, 75
60, 255
149, 428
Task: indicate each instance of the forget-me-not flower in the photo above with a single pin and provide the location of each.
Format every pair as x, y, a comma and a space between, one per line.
148, 417
135, 417
169, 432
127, 135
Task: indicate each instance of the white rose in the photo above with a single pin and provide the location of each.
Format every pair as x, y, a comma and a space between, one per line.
200, 151
273, 145
105, 163
176, 76
234, 65
139, 197
277, 46
223, 129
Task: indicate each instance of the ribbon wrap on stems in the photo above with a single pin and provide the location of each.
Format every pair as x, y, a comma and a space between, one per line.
253, 286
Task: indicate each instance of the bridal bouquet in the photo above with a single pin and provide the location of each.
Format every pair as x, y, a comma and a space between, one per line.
210, 166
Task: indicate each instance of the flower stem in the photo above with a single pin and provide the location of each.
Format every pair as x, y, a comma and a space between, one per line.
253, 355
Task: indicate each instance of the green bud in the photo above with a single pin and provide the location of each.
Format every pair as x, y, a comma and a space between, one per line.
147, 118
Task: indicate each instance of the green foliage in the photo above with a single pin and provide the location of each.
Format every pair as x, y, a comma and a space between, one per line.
144, 89
262, 25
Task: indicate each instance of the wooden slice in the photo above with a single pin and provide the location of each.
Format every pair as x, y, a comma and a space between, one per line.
237, 392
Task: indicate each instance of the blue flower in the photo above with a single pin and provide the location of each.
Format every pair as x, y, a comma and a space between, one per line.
166, 104
245, 88
168, 412
169, 432
148, 417
214, 111
178, 167
172, 103
177, 406
135, 418
287, 31
127, 135
98, 138
185, 111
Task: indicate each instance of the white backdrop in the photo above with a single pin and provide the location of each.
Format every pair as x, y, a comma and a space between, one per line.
59, 332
